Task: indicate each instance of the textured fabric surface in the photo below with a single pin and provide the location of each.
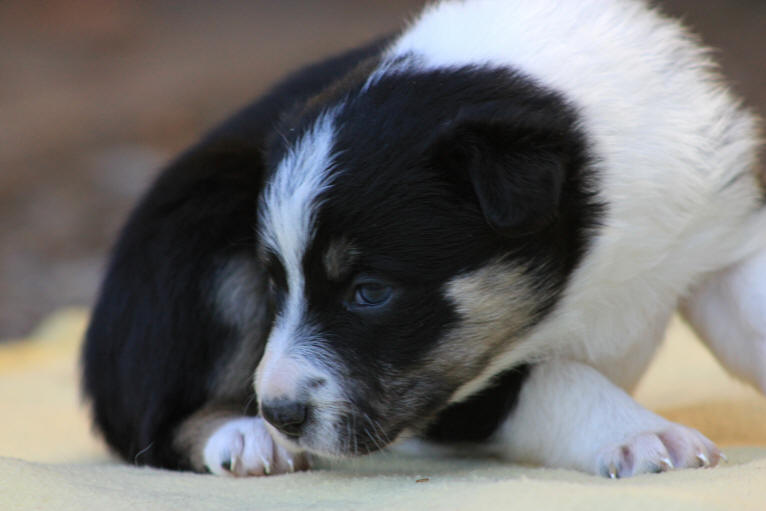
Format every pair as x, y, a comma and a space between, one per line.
50, 460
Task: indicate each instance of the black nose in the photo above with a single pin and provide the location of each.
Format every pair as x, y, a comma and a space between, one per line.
285, 415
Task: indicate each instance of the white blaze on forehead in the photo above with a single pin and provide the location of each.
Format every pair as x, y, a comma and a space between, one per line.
287, 220
290, 199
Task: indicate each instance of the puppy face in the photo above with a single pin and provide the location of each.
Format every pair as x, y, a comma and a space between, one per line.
409, 239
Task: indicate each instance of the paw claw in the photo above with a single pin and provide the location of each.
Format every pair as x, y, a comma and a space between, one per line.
671, 446
266, 466
234, 464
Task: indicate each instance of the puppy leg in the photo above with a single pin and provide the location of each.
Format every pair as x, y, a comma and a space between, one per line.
218, 440
728, 311
570, 416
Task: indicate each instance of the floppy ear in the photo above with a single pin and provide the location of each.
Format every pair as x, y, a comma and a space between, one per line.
515, 165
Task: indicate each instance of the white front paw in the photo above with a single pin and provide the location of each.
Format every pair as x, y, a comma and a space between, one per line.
244, 447
674, 446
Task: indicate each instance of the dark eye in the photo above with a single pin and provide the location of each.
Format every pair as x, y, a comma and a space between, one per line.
372, 294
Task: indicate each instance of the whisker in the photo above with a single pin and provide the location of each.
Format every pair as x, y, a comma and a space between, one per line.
378, 436
248, 403
352, 433
141, 452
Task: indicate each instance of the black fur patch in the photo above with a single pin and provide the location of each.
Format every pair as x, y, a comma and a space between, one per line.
479, 416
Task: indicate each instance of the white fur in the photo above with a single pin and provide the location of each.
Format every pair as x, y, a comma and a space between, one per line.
571, 416
674, 157
729, 312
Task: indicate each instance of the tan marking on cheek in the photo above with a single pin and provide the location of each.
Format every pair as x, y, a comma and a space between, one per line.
495, 305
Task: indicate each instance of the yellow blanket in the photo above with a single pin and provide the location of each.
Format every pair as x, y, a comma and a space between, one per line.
49, 459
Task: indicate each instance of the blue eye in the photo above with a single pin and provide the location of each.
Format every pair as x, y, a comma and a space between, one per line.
372, 294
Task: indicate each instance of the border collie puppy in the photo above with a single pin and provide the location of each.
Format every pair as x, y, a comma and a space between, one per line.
472, 233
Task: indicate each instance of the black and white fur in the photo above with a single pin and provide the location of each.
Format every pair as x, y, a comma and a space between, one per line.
471, 233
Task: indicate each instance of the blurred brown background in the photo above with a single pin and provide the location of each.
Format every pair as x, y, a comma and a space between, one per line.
96, 95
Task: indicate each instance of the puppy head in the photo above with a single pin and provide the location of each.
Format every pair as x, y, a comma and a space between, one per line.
412, 232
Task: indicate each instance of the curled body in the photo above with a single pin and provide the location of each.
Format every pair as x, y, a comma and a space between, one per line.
470, 233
